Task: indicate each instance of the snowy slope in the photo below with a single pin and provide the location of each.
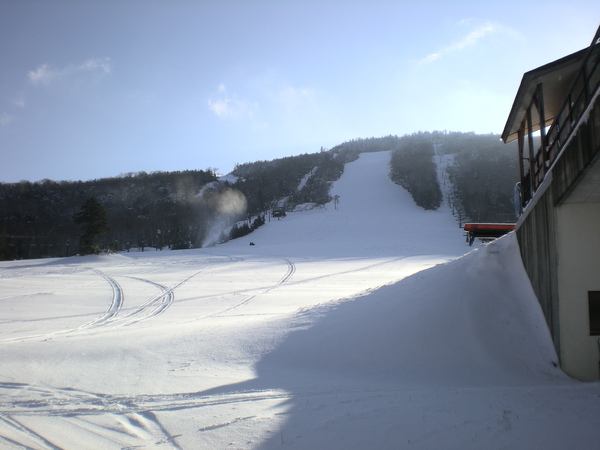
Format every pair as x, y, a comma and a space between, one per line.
375, 218
357, 327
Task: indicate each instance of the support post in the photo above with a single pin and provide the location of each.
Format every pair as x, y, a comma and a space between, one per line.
521, 140
539, 99
532, 161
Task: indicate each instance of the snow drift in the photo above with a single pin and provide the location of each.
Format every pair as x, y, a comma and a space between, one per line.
474, 321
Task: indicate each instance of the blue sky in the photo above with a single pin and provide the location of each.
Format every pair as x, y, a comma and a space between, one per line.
92, 89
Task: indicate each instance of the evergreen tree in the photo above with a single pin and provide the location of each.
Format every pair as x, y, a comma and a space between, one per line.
6, 252
93, 218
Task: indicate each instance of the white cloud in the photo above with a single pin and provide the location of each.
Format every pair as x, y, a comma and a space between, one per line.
97, 65
229, 106
220, 107
90, 69
474, 36
42, 75
275, 109
430, 58
469, 40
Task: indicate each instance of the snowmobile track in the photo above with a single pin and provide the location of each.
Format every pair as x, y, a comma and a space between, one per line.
152, 308
115, 304
291, 269
46, 401
28, 432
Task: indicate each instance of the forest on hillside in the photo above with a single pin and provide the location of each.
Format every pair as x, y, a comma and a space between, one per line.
482, 176
159, 209
479, 179
413, 167
187, 209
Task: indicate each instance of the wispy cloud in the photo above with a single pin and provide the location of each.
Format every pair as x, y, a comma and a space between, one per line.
229, 106
273, 107
469, 40
46, 74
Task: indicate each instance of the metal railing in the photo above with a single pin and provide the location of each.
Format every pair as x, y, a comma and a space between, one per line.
582, 91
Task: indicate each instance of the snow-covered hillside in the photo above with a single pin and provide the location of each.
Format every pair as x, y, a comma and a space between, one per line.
361, 326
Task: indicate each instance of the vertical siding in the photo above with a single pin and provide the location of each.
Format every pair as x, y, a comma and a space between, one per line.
536, 231
538, 251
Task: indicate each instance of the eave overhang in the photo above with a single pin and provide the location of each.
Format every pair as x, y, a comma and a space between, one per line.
555, 79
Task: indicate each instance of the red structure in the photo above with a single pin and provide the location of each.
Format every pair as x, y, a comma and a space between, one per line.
486, 231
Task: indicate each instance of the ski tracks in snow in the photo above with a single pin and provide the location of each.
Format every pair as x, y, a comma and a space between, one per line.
155, 306
291, 269
115, 304
129, 429
130, 421
152, 308
115, 314
20, 433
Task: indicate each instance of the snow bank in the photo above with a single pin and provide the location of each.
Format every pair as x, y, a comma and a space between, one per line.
474, 321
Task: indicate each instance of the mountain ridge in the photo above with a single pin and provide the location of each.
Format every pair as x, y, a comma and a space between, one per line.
163, 210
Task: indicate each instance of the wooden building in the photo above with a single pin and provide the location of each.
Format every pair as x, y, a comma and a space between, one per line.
556, 119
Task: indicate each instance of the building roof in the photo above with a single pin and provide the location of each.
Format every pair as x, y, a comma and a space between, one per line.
556, 78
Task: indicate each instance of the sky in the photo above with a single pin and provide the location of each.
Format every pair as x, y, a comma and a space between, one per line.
97, 89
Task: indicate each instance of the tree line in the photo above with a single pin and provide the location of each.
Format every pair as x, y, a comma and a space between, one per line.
158, 209
179, 210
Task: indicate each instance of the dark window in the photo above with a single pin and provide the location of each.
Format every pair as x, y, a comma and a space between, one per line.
594, 305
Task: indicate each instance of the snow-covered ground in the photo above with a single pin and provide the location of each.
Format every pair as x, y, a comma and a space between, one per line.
361, 327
